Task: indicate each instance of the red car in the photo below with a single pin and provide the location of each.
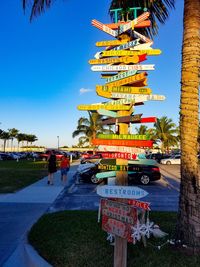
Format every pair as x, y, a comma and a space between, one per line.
58, 154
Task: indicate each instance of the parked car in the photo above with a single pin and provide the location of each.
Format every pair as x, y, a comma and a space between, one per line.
5, 156
45, 155
137, 173
90, 159
176, 159
157, 156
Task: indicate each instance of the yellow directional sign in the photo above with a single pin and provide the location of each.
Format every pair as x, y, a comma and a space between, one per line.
130, 80
123, 89
104, 106
127, 59
111, 42
114, 53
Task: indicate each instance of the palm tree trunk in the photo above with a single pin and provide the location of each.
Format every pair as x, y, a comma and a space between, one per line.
188, 227
4, 145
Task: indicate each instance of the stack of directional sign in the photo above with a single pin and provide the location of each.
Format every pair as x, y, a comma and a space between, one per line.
125, 81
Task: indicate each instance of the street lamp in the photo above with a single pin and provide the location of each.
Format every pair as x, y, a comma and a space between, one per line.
58, 141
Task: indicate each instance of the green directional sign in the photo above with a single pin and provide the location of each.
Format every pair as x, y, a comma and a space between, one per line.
107, 113
101, 175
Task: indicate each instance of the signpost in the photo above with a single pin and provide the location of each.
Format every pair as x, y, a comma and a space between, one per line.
103, 27
143, 24
126, 60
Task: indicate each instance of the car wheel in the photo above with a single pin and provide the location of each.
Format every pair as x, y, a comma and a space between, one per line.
144, 179
168, 162
95, 180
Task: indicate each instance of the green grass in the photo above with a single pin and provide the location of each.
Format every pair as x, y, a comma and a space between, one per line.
15, 175
75, 239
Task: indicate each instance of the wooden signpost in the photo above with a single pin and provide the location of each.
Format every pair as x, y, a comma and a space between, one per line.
136, 143
125, 84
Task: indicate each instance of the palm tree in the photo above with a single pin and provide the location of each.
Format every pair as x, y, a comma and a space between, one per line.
37, 6
30, 138
90, 127
142, 130
20, 138
13, 133
165, 131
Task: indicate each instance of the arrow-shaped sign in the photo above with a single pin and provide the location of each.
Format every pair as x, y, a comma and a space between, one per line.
104, 106
131, 80
122, 67
142, 46
108, 113
121, 76
124, 136
104, 28
101, 175
122, 149
135, 143
111, 43
126, 60
123, 89
129, 192
143, 24
129, 119
138, 98
127, 45
113, 53
142, 37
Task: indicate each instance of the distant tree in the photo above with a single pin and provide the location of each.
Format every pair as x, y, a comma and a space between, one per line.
20, 138
30, 138
13, 133
4, 136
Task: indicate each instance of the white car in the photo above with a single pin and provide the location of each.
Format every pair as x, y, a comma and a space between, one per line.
172, 160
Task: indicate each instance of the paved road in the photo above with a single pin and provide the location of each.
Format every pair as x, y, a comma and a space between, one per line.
163, 194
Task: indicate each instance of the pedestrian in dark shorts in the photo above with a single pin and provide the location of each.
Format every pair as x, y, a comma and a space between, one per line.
64, 168
52, 168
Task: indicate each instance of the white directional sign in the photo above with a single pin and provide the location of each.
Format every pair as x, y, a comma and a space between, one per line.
138, 98
122, 67
142, 46
142, 37
127, 45
129, 192
104, 28
122, 149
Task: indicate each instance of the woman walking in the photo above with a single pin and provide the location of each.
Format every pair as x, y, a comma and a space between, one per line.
51, 167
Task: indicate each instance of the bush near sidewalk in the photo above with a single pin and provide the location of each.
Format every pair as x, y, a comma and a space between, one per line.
75, 239
16, 175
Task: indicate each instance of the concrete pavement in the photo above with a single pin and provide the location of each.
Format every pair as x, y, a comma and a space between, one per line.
19, 211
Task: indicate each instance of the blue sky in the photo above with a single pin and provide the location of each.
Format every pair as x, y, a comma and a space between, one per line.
44, 64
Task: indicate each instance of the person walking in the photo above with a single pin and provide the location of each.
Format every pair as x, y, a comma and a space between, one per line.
64, 168
52, 168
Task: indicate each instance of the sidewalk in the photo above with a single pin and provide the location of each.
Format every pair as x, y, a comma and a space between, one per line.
19, 211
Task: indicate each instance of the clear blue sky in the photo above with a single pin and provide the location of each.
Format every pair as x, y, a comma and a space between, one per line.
44, 64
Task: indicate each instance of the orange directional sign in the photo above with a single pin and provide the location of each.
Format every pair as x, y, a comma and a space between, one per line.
123, 89
113, 53
126, 60
130, 80
143, 24
104, 28
135, 143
